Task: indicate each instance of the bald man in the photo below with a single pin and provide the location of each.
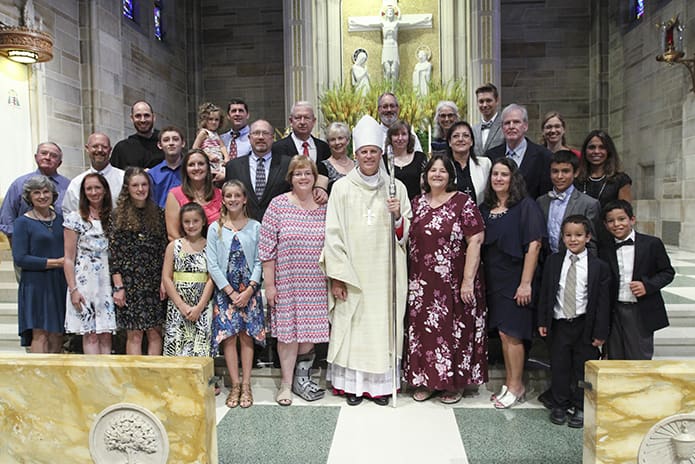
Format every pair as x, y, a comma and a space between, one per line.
141, 148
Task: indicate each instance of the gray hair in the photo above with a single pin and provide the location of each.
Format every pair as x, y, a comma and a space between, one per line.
339, 128
437, 131
302, 104
38, 183
515, 107
60, 151
389, 94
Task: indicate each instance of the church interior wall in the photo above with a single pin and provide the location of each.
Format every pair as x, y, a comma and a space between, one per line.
545, 62
242, 48
646, 115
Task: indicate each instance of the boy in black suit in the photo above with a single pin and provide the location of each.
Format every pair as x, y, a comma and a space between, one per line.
641, 268
574, 311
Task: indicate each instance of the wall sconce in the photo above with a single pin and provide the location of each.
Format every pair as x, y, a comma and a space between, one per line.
672, 45
26, 44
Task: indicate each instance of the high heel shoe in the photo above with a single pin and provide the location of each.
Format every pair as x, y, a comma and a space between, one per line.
509, 399
502, 392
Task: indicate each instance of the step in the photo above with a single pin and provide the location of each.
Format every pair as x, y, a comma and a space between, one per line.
8, 292
674, 341
681, 315
7, 271
8, 313
9, 340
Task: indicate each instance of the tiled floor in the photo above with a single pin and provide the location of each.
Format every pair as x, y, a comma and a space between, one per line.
430, 432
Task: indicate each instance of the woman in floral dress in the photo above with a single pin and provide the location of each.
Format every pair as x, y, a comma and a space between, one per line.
137, 240
89, 306
447, 341
233, 263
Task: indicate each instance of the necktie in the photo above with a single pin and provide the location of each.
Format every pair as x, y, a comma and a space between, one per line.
512, 156
305, 147
233, 153
629, 241
557, 196
485, 125
260, 177
569, 305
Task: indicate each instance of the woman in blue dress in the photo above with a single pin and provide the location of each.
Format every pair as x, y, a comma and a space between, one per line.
233, 264
514, 231
37, 249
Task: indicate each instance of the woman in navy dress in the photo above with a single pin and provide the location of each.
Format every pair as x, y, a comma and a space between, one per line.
37, 249
514, 231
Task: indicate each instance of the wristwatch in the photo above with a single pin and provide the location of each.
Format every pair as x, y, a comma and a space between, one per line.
118, 288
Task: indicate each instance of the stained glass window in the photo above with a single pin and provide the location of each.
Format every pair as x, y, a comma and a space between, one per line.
158, 29
639, 9
129, 9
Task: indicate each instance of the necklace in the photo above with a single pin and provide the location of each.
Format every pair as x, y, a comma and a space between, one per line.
48, 223
595, 181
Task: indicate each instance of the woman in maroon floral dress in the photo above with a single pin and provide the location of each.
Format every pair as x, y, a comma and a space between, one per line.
447, 340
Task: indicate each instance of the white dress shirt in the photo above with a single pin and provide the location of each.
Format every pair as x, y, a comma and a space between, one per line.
299, 143
582, 290
114, 177
626, 264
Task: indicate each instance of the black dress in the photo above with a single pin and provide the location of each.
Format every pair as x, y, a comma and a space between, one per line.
410, 174
138, 256
507, 237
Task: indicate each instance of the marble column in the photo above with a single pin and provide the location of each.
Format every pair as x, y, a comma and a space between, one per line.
485, 49
688, 153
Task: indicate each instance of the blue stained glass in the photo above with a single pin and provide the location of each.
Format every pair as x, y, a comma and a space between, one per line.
128, 9
639, 9
158, 31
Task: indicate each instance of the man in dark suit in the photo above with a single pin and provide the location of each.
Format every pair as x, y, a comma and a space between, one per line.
488, 132
641, 268
300, 141
574, 312
262, 172
533, 160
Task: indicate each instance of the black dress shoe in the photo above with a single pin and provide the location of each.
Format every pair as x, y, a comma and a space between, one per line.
381, 400
576, 420
353, 400
546, 399
558, 416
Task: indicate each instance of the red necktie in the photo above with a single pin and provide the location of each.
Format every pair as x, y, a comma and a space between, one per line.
305, 146
232, 146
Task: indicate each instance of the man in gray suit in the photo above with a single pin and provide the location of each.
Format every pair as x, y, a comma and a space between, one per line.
488, 133
564, 200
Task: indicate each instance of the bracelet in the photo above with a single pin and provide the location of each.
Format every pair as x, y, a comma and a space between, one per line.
72, 290
118, 288
319, 187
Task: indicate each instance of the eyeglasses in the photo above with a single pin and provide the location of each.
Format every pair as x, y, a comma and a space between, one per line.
261, 133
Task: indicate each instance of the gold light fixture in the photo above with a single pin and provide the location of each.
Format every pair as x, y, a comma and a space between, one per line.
26, 44
672, 46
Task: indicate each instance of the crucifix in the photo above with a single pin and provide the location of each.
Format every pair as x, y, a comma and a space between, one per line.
389, 22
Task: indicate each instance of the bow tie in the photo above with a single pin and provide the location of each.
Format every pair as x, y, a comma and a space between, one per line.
557, 196
629, 241
485, 125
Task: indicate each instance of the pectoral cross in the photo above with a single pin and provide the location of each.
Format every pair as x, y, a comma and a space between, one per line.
370, 215
467, 191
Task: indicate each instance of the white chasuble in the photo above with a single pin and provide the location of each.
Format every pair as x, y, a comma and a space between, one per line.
356, 252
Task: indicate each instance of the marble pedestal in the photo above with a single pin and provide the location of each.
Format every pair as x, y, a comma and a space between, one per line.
626, 400
49, 405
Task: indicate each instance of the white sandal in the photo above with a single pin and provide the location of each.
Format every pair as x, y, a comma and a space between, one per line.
284, 395
509, 399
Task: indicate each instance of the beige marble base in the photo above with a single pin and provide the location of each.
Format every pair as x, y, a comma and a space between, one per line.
49, 402
627, 399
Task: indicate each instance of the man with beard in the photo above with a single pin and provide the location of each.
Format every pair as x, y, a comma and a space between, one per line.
139, 149
388, 114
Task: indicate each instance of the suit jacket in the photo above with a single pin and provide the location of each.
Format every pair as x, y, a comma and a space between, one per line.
535, 167
579, 203
275, 185
653, 268
494, 137
287, 147
598, 308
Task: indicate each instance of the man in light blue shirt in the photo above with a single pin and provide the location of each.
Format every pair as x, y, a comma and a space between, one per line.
48, 158
237, 139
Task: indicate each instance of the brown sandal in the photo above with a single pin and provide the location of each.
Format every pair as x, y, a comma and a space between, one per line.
232, 400
246, 397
